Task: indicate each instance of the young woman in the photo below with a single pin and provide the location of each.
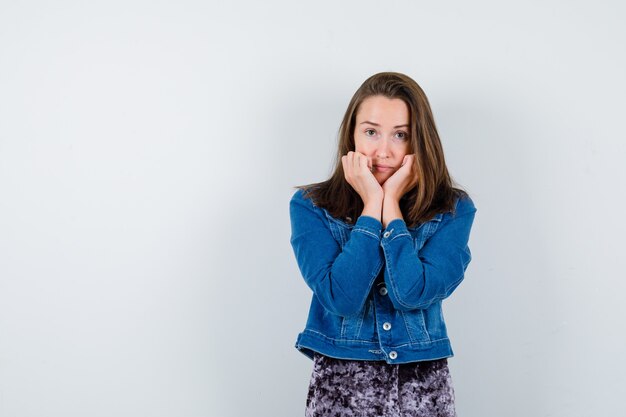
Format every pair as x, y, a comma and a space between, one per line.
381, 244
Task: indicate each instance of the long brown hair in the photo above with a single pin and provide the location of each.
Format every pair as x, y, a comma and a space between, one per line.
434, 191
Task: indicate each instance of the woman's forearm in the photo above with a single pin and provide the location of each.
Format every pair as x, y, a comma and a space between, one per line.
391, 211
373, 208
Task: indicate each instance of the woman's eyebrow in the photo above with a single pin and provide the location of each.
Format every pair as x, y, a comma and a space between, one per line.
376, 124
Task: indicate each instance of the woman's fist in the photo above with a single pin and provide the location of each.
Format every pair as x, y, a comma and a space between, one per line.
402, 180
357, 171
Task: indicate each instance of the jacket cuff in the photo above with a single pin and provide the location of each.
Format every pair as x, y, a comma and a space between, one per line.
395, 228
368, 225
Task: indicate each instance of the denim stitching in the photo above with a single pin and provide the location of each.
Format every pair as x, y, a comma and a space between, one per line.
365, 342
458, 280
400, 235
407, 326
423, 324
344, 325
361, 320
366, 231
375, 343
424, 328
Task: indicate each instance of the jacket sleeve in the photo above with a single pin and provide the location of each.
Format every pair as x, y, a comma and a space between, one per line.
415, 281
341, 279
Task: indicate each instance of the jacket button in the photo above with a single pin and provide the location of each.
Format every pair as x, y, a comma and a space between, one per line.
393, 354
387, 326
386, 234
383, 290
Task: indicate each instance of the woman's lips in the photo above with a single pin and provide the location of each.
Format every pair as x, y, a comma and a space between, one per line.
383, 168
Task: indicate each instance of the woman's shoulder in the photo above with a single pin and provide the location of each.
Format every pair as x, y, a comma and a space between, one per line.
301, 196
298, 194
464, 204
302, 201
304, 212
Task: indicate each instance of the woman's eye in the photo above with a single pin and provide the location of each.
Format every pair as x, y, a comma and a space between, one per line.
370, 130
403, 135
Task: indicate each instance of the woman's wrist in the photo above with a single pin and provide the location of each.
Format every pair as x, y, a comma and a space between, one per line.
391, 211
373, 208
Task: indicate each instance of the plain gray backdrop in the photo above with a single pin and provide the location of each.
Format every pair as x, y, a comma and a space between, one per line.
148, 152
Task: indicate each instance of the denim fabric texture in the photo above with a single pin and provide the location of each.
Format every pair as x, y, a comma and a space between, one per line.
377, 294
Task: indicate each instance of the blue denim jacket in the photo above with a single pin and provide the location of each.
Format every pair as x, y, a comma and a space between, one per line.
377, 293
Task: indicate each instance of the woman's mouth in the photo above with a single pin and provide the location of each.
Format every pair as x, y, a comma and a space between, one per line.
383, 168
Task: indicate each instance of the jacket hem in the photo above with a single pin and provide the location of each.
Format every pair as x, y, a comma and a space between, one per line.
309, 342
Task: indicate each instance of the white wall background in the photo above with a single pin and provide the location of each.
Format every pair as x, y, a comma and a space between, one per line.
148, 152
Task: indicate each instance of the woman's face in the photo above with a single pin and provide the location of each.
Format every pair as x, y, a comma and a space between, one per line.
382, 133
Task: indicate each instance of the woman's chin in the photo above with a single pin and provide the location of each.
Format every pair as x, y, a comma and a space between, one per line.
382, 178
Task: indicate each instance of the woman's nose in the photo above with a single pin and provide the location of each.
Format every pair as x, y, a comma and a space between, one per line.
383, 148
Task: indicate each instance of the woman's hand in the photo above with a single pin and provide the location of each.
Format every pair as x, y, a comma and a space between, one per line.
402, 180
357, 171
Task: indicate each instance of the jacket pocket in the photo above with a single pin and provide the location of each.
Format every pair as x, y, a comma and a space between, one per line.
435, 324
360, 327
416, 326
